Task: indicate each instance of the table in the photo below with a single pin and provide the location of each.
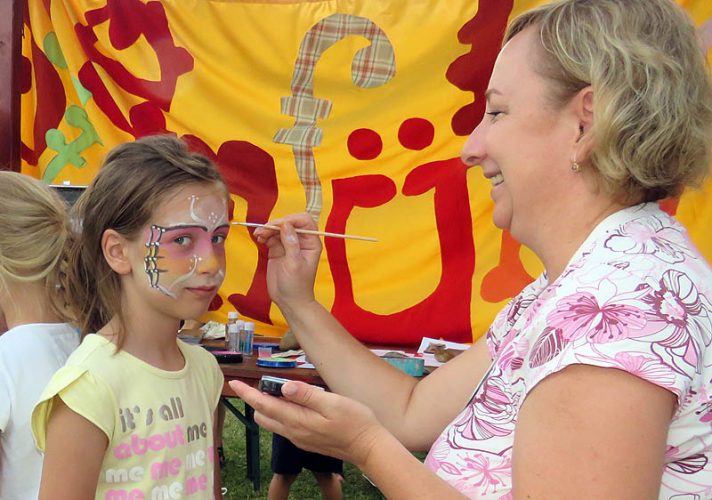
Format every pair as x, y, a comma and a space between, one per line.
248, 372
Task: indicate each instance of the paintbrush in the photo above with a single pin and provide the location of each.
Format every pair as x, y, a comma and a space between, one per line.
308, 231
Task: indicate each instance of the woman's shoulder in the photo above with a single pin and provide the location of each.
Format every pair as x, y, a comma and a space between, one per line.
644, 237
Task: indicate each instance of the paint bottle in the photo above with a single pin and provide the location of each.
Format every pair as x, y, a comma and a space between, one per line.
246, 337
231, 330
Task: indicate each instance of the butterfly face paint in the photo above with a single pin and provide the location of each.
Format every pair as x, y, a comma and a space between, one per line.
188, 251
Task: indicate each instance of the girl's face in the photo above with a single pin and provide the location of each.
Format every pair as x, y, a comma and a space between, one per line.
185, 244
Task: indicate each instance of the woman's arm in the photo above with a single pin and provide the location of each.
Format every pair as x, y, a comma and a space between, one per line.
415, 412
596, 430
333, 425
73, 456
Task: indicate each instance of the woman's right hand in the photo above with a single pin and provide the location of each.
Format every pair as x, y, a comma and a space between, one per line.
316, 420
293, 260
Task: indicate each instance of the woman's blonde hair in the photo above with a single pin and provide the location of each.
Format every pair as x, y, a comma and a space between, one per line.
652, 96
34, 233
134, 180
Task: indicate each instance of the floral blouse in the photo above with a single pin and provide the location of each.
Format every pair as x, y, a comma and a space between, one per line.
636, 296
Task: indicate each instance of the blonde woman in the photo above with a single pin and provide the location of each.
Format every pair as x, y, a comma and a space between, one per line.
594, 382
33, 236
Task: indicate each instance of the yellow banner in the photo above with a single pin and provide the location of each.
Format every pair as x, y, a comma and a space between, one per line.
353, 110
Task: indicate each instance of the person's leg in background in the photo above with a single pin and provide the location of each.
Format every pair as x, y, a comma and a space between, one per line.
329, 484
329, 474
286, 466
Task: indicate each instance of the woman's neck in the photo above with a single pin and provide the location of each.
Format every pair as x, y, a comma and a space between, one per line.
557, 241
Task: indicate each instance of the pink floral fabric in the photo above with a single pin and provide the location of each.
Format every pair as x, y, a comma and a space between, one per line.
637, 297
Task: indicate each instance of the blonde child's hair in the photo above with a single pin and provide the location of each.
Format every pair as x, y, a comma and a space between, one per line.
34, 234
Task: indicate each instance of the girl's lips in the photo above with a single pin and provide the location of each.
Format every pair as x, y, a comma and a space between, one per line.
204, 291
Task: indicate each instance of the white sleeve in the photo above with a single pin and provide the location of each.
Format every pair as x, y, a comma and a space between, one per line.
4, 400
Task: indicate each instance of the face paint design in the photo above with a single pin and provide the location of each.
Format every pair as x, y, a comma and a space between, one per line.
189, 252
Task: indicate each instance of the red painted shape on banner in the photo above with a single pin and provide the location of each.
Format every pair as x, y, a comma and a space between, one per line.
446, 311
216, 303
416, 133
147, 119
471, 71
128, 20
49, 92
364, 144
509, 277
669, 205
25, 75
249, 172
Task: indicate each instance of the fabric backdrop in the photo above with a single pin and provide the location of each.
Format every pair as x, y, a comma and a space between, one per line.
353, 110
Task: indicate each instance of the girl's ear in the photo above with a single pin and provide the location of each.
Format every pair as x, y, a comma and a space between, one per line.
116, 252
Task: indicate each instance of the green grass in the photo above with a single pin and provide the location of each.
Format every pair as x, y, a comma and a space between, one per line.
234, 474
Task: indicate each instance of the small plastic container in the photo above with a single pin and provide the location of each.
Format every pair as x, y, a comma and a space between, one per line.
232, 318
233, 338
247, 335
264, 351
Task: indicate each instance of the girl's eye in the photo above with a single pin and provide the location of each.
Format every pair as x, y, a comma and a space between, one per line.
182, 241
493, 114
218, 239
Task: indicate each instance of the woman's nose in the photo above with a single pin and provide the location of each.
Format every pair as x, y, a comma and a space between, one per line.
473, 151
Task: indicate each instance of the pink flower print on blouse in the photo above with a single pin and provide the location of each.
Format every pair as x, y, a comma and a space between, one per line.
601, 318
547, 346
490, 414
682, 315
649, 236
644, 366
512, 351
482, 474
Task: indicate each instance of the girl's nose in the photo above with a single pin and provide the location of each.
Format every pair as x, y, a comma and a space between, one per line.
209, 262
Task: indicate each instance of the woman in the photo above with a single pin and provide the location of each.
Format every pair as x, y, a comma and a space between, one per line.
595, 110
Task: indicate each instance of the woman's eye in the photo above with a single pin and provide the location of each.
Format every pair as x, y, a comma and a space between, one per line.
218, 239
493, 114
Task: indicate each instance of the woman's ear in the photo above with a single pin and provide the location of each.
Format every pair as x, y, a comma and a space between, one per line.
116, 252
583, 107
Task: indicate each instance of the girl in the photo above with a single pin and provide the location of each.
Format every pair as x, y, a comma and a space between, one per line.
33, 236
131, 413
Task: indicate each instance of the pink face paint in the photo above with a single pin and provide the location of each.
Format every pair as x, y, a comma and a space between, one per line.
188, 252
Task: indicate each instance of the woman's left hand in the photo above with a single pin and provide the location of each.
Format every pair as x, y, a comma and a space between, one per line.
316, 420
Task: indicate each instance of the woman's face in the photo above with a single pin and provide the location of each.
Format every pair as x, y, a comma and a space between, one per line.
183, 247
524, 144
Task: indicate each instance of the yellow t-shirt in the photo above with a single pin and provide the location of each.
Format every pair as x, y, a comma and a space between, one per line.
159, 423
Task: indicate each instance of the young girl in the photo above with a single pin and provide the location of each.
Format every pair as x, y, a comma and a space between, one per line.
33, 236
131, 414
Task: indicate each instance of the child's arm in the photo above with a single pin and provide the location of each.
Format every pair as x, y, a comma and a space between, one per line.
73, 456
216, 458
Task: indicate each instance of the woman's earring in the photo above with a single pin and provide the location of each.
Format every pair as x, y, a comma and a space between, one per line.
575, 167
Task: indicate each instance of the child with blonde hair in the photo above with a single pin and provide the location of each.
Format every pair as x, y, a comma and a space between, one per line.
33, 238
